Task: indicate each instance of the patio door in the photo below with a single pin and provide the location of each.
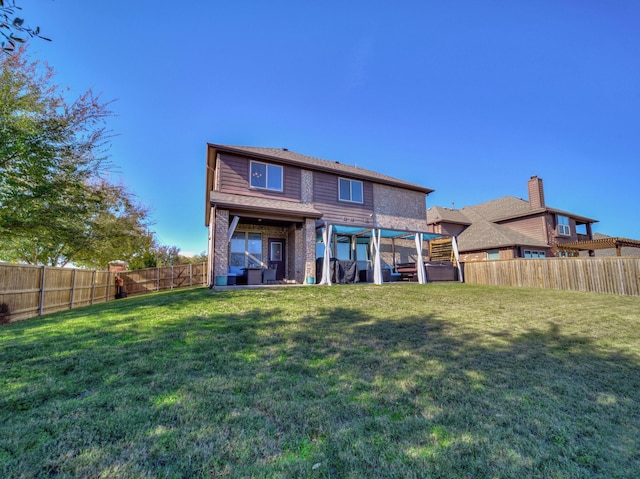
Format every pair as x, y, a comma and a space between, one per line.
277, 256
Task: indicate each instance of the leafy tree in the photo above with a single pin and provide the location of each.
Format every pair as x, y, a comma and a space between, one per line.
13, 31
199, 258
161, 255
54, 206
116, 229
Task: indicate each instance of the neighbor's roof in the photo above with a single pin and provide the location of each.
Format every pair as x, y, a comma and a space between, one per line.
484, 234
283, 155
484, 231
438, 214
509, 207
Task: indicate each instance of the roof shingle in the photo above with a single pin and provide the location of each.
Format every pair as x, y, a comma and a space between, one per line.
292, 157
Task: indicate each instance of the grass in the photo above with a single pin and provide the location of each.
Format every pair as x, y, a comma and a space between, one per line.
400, 380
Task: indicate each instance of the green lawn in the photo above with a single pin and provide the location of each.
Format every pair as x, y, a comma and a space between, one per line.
399, 380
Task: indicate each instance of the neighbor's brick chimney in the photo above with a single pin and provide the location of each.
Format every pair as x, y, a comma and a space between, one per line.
536, 193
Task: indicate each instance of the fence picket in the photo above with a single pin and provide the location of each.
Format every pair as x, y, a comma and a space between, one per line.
29, 291
616, 275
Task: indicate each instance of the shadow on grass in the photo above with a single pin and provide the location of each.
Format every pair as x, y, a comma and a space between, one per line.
182, 386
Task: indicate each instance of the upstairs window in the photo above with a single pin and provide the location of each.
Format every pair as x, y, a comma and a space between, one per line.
350, 190
266, 176
563, 225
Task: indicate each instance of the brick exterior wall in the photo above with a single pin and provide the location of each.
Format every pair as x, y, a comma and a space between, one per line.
309, 253
220, 243
399, 209
536, 193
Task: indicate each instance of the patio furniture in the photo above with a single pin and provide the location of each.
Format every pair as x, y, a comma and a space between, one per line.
269, 275
440, 271
236, 275
342, 271
254, 275
407, 271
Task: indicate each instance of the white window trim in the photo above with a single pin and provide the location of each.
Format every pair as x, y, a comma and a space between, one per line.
248, 256
563, 230
350, 190
267, 178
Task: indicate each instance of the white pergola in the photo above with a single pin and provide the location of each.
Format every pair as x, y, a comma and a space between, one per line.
327, 232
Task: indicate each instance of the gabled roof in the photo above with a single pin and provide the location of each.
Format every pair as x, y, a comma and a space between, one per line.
509, 207
504, 208
484, 234
285, 156
438, 214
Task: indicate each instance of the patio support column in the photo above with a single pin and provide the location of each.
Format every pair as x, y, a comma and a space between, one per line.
456, 255
377, 266
220, 243
326, 260
419, 261
232, 227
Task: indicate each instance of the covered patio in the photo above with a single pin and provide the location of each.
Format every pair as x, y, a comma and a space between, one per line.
369, 240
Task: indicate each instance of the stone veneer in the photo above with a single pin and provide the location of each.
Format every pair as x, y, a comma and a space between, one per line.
305, 240
307, 186
220, 243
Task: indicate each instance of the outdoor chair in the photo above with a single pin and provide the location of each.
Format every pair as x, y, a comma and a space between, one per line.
269, 275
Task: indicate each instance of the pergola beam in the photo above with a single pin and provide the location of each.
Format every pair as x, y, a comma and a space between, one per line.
602, 243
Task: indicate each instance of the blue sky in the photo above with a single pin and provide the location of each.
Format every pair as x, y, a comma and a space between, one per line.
469, 98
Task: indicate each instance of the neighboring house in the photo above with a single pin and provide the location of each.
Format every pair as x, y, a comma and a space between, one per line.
510, 227
266, 209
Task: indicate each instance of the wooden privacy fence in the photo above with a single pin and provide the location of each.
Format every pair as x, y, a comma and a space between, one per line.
27, 291
598, 275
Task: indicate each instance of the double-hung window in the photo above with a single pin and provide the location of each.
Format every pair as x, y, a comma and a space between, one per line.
265, 176
350, 190
563, 225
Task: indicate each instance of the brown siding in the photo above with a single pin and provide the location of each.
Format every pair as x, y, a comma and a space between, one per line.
447, 229
532, 226
234, 178
325, 199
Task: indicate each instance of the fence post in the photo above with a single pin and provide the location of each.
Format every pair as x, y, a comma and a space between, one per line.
93, 287
108, 296
41, 307
157, 279
171, 277
190, 274
73, 288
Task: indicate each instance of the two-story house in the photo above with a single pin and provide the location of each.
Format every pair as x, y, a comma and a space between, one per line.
272, 209
510, 227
